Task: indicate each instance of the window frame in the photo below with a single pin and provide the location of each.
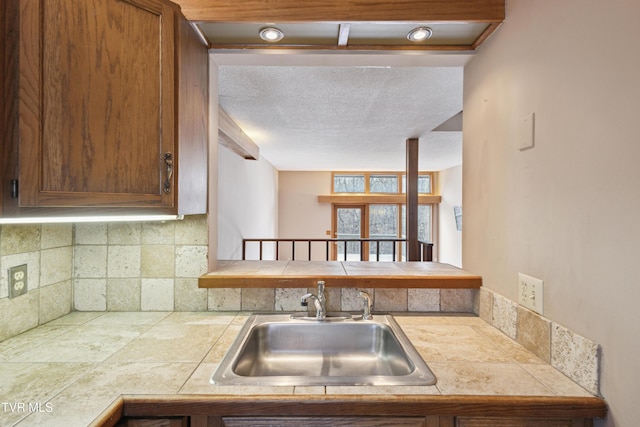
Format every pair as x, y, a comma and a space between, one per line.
367, 199
367, 181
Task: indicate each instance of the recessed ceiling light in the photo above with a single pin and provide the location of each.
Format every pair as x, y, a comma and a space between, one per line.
271, 34
419, 34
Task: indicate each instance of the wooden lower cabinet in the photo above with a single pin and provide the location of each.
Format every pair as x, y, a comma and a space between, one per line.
380, 421
154, 422
362, 411
324, 422
428, 421
522, 422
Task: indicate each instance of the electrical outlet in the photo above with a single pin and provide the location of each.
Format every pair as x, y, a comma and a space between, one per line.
17, 281
530, 292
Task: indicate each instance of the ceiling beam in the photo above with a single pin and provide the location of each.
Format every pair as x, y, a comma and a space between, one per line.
231, 136
343, 10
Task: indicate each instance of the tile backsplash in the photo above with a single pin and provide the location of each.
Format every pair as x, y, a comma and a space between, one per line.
102, 267
343, 299
47, 250
572, 354
140, 266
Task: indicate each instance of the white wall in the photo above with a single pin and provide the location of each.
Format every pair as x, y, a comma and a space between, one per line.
247, 203
212, 212
565, 211
449, 238
300, 214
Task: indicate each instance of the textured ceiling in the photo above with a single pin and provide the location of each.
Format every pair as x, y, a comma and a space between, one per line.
345, 118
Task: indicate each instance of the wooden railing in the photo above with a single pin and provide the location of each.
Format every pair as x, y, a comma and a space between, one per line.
426, 248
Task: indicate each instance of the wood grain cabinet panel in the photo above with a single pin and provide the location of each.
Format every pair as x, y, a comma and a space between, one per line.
100, 110
522, 422
152, 422
367, 411
323, 421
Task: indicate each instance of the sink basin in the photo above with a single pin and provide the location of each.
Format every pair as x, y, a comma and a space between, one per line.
281, 350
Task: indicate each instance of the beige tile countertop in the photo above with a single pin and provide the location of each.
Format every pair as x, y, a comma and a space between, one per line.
338, 273
68, 371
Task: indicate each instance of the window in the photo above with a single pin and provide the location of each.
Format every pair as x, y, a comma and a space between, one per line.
424, 224
379, 182
373, 218
383, 183
424, 184
348, 183
349, 224
383, 224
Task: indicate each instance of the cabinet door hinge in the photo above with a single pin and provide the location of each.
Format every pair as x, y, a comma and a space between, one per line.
14, 188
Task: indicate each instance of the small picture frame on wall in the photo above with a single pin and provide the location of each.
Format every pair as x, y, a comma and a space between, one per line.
457, 213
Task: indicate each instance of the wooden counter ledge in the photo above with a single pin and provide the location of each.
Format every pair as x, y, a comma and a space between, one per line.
538, 407
301, 274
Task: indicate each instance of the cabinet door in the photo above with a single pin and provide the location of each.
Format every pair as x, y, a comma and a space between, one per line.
154, 422
96, 103
323, 421
521, 422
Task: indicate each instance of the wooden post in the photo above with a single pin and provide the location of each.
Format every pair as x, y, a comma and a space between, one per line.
413, 248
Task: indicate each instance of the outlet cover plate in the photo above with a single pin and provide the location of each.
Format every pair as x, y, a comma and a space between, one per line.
17, 281
530, 292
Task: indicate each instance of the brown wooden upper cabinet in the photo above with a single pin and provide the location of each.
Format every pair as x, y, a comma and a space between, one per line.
106, 108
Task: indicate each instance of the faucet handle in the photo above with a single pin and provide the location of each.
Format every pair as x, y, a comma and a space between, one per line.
304, 300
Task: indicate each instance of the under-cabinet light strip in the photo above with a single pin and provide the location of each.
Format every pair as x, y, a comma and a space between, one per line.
102, 218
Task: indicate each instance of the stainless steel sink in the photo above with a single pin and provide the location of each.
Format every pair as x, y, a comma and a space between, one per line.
281, 350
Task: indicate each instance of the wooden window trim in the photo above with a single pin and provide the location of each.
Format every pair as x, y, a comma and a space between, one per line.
385, 199
364, 226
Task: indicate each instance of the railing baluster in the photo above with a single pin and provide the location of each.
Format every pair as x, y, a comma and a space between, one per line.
426, 248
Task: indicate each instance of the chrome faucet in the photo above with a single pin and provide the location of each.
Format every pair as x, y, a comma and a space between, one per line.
366, 312
319, 301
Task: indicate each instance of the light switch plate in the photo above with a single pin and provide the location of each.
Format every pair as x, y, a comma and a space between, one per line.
526, 132
17, 281
530, 292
